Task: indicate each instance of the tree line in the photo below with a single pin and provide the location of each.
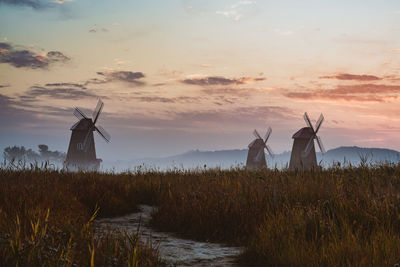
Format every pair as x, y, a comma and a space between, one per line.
17, 153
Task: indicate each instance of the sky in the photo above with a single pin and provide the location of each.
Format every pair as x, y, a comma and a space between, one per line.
179, 75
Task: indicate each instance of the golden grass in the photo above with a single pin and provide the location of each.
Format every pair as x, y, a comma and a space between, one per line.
47, 217
333, 217
327, 217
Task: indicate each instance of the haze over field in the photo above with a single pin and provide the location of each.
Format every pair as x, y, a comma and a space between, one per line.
181, 75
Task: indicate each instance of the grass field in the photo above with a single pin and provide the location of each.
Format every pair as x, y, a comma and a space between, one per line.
336, 216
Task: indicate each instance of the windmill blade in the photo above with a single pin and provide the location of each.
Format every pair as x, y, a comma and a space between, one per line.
308, 147
259, 155
103, 133
267, 135
86, 142
319, 122
321, 146
97, 111
79, 114
307, 119
257, 135
269, 151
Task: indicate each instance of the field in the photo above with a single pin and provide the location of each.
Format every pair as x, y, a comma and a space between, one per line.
338, 216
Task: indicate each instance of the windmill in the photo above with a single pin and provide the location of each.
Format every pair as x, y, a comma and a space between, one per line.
303, 151
256, 155
81, 151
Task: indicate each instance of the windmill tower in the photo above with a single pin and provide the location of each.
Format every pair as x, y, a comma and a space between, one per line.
256, 155
81, 151
303, 152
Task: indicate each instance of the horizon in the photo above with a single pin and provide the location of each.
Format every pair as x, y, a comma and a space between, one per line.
183, 75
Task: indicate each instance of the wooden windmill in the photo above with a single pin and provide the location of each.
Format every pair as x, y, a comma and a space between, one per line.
303, 152
81, 151
256, 155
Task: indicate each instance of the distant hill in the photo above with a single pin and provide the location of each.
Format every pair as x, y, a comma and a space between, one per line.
354, 155
233, 158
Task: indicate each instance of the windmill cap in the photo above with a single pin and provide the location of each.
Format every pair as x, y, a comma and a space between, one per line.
83, 124
303, 133
257, 143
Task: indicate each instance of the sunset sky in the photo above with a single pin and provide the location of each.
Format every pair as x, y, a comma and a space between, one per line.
177, 75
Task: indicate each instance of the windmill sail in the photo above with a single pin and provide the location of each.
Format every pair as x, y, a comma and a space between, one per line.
310, 143
103, 133
97, 111
268, 148
307, 119
79, 114
321, 146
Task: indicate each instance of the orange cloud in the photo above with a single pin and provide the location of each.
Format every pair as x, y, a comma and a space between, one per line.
359, 92
218, 80
348, 76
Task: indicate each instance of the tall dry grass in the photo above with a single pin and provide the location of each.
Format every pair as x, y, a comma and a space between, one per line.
47, 217
336, 216
325, 217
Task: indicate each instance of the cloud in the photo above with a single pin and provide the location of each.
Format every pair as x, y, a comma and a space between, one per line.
60, 2
235, 11
77, 85
347, 76
218, 80
392, 78
96, 28
154, 99
18, 116
205, 120
23, 58
58, 93
205, 65
11, 114
242, 115
214, 80
56, 56
4, 85
159, 84
238, 92
95, 81
35, 4
5, 100
179, 99
121, 76
226, 91
73, 91
359, 92
233, 14
5, 46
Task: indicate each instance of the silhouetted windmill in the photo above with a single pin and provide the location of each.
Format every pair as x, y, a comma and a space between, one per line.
303, 152
81, 151
256, 155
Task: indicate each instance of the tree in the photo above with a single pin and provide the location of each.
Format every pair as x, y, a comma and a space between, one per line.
19, 153
43, 148
44, 151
